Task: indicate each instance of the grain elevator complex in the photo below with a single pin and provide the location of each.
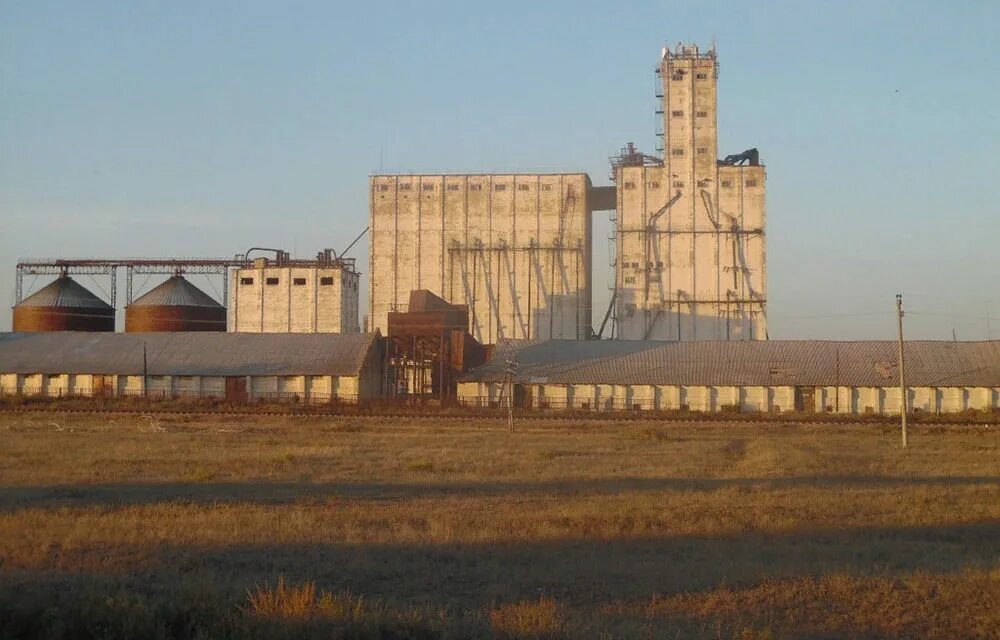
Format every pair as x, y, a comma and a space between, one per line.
481, 292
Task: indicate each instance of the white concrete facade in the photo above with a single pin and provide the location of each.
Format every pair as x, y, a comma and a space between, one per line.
294, 299
721, 398
690, 256
310, 388
515, 248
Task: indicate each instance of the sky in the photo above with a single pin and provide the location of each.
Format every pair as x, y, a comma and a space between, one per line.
138, 128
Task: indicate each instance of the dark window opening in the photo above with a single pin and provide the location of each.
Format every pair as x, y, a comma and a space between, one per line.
702, 76
727, 184
677, 152
522, 187
751, 183
326, 281
298, 282
453, 187
272, 281
499, 187
246, 280
677, 114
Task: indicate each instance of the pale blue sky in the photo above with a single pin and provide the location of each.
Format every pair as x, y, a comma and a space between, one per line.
203, 128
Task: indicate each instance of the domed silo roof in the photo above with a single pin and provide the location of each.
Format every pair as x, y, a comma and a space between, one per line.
175, 305
63, 305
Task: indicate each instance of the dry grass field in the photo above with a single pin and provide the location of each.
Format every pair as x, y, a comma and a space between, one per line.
374, 528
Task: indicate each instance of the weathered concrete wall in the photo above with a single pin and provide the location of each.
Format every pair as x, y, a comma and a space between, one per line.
841, 400
515, 248
690, 250
310, 299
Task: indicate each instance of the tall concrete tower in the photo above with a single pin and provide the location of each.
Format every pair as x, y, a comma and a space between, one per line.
690, 260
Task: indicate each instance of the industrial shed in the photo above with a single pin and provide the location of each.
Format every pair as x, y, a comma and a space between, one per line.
812, 376
307, 367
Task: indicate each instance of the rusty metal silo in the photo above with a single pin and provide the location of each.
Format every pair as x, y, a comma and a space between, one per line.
175, 305
63, 305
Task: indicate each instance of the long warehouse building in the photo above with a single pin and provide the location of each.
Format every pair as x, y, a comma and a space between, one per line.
768, 376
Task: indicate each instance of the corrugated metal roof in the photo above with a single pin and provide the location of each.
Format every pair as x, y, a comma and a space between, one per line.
204, 354
175, 292
64, 292
750, 363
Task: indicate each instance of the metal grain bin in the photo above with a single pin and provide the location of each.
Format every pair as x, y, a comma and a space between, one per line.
63, 305
175, 305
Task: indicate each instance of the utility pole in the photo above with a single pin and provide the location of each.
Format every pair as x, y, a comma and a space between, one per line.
509, 370
902, 374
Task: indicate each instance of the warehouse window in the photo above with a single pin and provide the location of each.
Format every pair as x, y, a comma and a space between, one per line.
751, 183
246, 280
405, 187
677, 114
678, 183
298, 282
653, 184
383, 187
702, 150
677, 76
499, 187
630, 185
427, 187
546, 187
453, 187
326, 281
702, 114
677, 152
272, 281
157, 378
702, 76
522, 187
475, 187
726, 184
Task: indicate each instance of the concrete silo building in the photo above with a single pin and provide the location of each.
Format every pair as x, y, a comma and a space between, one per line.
515, 248
689, 230
63, 305
175, 305
285, 295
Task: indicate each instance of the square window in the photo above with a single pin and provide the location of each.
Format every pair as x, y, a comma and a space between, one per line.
751, 183
383, 187
405, 186
298, 282
702, 150
677, 152
326, 281
702, 76
475, 187
272, 281
246, 280
630, 185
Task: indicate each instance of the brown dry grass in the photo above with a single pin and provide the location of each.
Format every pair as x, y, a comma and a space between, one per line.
394, 528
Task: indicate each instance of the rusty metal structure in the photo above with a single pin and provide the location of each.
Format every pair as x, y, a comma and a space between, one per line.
428, 347
132, 267
63, 305
175, 305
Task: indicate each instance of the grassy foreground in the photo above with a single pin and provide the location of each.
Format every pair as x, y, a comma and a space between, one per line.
370, 528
